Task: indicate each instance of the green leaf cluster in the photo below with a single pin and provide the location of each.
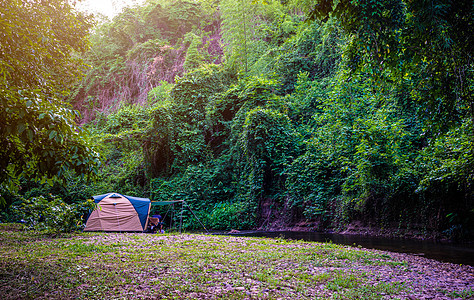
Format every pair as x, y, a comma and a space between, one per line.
53, 215
39, 62
141, 48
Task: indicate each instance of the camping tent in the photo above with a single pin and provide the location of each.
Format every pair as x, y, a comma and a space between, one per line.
117, 212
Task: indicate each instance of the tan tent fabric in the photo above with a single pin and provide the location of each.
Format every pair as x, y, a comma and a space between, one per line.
114, 214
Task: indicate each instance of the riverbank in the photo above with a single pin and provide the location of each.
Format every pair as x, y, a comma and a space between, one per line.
413, 231
193, 266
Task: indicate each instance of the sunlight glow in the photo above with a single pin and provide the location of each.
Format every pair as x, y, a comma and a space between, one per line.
109, 8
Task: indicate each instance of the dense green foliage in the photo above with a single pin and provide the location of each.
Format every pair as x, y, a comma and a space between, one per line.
39, 56
142, 48
52, 215
260, 115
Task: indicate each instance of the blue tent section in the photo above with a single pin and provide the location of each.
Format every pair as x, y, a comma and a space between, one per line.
141, 205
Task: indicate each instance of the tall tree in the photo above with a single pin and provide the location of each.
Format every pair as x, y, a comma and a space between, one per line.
236, 31
244, 30
38, 64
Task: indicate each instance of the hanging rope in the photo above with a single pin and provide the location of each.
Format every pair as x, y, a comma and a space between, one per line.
172, 216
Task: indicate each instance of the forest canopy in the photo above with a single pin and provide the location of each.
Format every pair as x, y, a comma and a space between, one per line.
260, 114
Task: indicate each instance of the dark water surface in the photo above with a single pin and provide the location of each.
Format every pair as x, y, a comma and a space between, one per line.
446, 252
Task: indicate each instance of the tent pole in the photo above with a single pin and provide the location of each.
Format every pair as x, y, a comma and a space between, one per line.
195, 216
166, 213
172, 215
181, 218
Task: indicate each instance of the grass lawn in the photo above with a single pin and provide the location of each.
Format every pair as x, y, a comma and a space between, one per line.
192, 266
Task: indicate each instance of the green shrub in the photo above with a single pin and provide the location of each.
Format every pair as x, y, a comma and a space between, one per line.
55, 216
225, 215
160, 93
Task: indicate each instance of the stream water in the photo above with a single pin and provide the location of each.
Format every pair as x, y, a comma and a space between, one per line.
446, 252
